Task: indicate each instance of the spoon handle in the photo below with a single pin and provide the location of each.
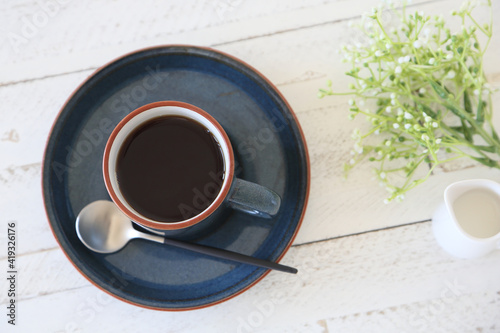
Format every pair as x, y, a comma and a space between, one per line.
225, 254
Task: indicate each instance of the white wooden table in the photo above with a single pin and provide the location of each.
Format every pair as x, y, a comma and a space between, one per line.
363, 266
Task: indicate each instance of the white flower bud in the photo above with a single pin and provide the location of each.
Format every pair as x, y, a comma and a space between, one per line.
358, 148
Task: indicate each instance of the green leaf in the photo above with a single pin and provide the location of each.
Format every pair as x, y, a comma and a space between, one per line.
427, 110
489, 149
494, 135
438, 89
467, 104
480, 112
455, 111
486, 161
443, 92
466, 131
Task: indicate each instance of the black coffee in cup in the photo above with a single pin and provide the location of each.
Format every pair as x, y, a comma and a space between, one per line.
170, 168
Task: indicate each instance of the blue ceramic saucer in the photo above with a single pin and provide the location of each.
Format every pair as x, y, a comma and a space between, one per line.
269, 149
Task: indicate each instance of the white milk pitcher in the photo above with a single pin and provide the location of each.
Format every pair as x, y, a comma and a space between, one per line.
467, 224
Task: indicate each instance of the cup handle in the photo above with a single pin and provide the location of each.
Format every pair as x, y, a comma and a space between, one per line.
253, 199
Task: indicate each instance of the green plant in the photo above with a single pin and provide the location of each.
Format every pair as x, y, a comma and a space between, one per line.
423, 90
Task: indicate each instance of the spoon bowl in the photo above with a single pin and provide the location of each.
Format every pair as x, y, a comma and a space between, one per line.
103, 228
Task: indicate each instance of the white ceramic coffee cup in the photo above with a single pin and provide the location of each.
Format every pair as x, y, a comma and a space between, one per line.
236, 193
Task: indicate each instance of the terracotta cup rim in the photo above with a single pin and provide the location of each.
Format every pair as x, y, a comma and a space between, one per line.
227, 154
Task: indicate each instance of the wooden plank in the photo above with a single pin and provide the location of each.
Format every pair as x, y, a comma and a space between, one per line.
399, 274
41, 40
451, 312
28, 111
43, 273
25, 126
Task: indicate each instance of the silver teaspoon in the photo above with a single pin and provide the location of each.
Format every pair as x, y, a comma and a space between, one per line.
103, 228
